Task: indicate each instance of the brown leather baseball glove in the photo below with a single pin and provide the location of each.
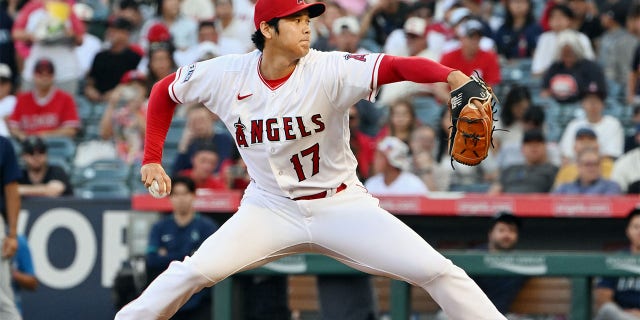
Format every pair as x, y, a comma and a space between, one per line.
471, 108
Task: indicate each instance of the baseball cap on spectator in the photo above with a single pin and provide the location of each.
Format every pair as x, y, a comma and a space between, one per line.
396, 152
44, 65
158, 33
533, 135
415, 26
586, 133
5, 72
346, 23
617, 11
133, 75
469, 28
121, 23
33, 144
593, 89
457, 15
266, 10
507, 217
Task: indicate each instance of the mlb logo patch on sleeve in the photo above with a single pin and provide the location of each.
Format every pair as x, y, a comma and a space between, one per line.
190, 69
359, 57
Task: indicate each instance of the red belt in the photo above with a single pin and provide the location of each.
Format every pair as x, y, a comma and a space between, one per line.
322, 194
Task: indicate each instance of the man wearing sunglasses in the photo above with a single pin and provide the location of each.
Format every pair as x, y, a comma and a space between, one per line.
38, 177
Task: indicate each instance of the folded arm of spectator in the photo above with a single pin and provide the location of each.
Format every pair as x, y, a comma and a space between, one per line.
53, 188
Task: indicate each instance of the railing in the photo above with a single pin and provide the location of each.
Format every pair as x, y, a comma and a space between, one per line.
445, 204
580, 267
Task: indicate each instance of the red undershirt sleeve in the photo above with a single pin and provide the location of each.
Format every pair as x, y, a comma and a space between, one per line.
416, 69
159, 114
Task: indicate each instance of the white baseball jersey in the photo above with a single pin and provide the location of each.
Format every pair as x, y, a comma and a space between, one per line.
294, 138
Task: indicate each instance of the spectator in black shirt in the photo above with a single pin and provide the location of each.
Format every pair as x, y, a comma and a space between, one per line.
518, 36
502, 237
111, 64
38, 177
571, 74
585, 18
381, 19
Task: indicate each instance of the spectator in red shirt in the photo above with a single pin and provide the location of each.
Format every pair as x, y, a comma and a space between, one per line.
470, 58
204, 160
46, 110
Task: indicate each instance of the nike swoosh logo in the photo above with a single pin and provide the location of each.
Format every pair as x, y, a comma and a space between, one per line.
244, 97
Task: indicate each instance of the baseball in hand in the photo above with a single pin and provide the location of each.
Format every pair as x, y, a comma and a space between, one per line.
154, 190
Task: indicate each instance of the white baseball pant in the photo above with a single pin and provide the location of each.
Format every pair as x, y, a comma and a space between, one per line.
348, 226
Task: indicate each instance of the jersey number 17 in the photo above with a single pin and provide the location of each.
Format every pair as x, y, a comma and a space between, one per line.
314, 152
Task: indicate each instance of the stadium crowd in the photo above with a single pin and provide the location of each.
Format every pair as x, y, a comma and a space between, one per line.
77, 74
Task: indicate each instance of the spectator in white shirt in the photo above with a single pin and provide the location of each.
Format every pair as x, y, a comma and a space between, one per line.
608, 129
231, 26
391, 165
626, 170
210, 44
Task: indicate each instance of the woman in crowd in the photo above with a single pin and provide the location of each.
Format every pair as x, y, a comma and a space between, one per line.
512, 110
402, 121
161, 62
517, 37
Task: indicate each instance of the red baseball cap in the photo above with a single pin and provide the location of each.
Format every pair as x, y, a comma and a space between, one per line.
133, 75
266, 10
158, 33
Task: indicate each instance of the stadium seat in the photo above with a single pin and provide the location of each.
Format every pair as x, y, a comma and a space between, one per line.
134, 181
17, 147
91, 131
427, 109
61, 162
614, 89
103, 189
614, 108
114, 170
516, 71
175, 132
85, 108
97, 112
169, 155
60, 147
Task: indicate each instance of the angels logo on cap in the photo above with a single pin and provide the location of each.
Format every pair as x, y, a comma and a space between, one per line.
266, 10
